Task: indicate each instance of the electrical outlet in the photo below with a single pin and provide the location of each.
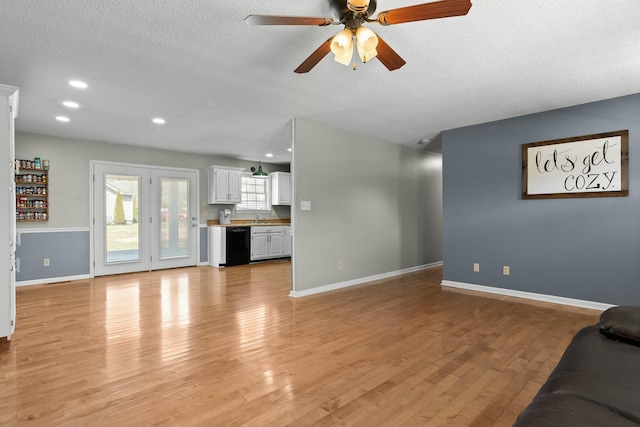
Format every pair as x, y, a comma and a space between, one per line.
476, 267
505, 270
340, 265
47, 262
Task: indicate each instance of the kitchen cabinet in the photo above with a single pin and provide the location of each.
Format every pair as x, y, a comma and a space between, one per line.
217, 237
280, 188
286, 244
225, 185
267, 242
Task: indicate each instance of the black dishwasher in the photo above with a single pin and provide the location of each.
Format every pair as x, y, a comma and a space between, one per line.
238, 245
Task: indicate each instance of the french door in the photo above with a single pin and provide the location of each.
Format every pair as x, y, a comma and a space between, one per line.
144, 218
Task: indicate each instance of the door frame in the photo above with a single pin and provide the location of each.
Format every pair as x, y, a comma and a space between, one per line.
92, 225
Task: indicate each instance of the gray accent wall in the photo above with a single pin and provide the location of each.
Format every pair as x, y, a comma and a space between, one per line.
376, 206
67, 251
586, 249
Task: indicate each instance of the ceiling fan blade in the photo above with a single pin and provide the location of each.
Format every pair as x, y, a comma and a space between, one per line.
388, 56
315, 57
286, 20
425, 11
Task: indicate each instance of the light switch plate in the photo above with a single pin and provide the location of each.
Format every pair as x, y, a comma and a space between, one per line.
305, 205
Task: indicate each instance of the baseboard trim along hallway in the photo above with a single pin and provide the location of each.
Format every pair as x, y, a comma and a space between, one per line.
354, 282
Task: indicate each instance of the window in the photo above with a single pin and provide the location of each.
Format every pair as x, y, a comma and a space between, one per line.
255, 194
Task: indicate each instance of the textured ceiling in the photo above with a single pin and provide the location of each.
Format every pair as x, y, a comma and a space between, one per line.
227, 88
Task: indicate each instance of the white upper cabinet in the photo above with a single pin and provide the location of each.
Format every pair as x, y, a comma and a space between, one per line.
225, 185
280, 188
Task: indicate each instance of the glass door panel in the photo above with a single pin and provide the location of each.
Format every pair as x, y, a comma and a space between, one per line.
122, 230
174, 221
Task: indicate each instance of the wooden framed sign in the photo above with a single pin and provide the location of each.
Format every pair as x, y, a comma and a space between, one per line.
582, 166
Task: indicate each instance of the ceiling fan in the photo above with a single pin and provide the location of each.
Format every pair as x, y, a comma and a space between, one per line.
353, 14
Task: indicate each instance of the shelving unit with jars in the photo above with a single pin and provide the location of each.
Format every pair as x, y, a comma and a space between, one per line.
32, 190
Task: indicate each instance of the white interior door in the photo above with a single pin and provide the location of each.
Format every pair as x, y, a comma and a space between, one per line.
144, 218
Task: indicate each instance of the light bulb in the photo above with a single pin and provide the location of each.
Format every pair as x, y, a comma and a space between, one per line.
342, 46
366, 42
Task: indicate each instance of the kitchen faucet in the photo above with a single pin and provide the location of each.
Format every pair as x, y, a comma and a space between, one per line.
259, 219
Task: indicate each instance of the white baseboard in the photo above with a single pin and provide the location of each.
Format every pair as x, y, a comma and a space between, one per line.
528, 295
50, 280
354, 282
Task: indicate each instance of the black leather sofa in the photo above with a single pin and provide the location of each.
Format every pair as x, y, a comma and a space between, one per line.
597, 381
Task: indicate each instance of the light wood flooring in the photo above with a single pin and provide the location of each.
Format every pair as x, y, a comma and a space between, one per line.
207, 346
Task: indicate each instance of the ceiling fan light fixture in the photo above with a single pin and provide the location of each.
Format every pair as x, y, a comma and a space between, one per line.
342, 46
366, 42
357, 5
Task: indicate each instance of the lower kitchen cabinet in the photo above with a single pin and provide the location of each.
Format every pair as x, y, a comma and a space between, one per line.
267, 242
286, 243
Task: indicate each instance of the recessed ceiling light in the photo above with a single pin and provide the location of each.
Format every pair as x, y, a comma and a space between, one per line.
78, 84
159, 121
268, 155
71, 104
289, 149
62, 119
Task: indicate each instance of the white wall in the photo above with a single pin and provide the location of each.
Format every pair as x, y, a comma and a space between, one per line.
375, 205
69, 174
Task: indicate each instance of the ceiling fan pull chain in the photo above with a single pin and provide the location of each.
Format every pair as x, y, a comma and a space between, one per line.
354, 56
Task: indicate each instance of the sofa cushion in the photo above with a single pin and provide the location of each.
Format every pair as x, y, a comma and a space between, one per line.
594, 372
569, 411
622, 322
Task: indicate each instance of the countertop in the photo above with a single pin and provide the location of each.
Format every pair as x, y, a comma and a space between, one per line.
249, 223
